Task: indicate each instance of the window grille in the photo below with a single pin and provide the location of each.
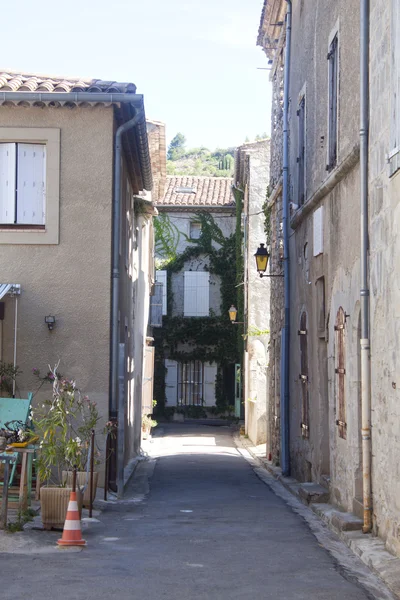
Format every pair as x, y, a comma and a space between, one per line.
190, 383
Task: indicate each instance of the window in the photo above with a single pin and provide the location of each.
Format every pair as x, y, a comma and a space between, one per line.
22, 184
340, 371
161, 277
303, 377
190, 383
301, 114
333, 61
30, 185
196, 294
195, 230
394, 155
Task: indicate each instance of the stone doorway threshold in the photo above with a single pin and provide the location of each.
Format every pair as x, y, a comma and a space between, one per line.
369, 548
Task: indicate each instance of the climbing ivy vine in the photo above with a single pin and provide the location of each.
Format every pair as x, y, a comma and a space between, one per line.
208, 339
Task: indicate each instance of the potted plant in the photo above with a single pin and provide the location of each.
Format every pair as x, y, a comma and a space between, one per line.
147, 424
64, 424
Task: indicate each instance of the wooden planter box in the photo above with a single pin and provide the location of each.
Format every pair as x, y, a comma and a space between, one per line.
54, 505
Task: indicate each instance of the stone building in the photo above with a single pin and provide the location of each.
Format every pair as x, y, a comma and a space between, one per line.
195, 329
251, 182
271, 38
328, 416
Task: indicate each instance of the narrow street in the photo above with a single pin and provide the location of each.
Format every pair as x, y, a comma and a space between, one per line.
197, 523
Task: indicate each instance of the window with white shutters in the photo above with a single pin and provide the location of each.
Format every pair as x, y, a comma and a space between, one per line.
394, 154
22, 184
196, 294
161, 277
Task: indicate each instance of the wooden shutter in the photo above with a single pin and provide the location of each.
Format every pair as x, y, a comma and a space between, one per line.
156, 306
303, 377
196, 294
341, 372
7, 183
301, 113
161, 277
171, 382
31, 183
394, 155
147, 389
210, 374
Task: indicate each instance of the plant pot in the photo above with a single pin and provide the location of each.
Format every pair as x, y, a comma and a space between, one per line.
81, 482
54, 505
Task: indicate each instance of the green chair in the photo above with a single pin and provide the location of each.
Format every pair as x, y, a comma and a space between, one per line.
14, 409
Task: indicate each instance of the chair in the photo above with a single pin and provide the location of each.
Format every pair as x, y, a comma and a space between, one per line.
14, 409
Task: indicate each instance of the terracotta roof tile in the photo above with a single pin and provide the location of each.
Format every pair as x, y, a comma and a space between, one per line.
29, 82
197, 191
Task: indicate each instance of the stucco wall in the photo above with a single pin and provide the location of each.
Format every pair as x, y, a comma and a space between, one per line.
384, 232
70, 280
252, 175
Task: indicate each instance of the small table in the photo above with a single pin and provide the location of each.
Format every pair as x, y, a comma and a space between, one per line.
25, 485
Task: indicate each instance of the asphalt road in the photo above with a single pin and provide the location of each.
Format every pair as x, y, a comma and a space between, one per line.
209, 528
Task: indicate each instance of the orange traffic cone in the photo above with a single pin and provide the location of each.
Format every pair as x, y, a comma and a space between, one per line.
72, 535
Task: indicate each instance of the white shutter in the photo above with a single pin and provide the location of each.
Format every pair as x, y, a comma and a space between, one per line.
171, 382
196, 294
7, 183
31, 184
161, 277
318, 231
210, 373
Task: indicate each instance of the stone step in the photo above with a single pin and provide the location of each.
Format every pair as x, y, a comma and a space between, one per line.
358, 507
311, 493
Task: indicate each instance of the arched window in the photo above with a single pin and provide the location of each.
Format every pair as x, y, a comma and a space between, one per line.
305, 418
340, 371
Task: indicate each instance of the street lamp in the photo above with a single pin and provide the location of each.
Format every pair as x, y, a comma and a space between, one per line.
262, 257
233, 315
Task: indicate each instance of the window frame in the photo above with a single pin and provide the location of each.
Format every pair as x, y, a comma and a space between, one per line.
333, 102
33, 234
191, 383
301, 158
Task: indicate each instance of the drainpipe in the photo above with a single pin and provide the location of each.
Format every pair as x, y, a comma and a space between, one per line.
364, 292
285, 449
117, 400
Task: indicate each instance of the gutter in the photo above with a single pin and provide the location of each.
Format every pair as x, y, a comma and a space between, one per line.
285, 447
364, 292
68, 98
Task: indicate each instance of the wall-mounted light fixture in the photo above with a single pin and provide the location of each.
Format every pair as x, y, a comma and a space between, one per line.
233, 315
262, 257
50, 321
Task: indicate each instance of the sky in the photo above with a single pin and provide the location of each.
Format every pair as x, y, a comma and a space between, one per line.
195, 61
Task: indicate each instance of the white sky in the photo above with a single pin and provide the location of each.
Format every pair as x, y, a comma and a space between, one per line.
195, 61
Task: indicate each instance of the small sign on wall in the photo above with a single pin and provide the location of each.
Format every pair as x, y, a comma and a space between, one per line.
318, 227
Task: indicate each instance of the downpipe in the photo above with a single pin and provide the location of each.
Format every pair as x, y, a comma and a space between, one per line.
285, 445
364, 292
117, 404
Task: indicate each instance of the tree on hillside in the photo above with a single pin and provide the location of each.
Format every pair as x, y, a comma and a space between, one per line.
177, 147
